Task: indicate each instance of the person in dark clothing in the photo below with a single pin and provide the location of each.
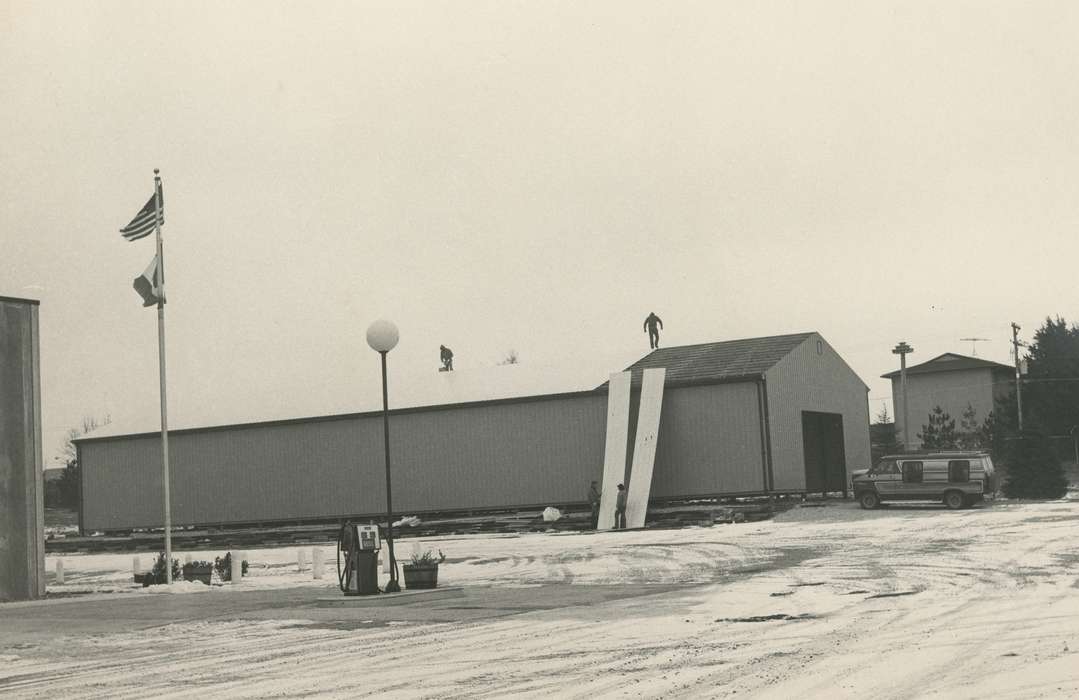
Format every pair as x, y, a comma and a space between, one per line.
650, 327
447, 358
620, 509
593, 502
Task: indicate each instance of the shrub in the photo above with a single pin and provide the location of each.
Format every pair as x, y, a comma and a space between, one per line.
1033, 469
223, 566
158, 571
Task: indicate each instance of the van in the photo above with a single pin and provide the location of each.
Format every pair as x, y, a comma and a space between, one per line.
956, 479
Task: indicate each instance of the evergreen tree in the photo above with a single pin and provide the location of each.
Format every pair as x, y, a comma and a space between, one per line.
1033, 468
1051, 386
882, 436
993, 435
971, 436
940, 433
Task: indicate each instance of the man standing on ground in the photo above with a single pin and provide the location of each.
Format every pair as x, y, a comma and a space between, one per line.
447, 358
620, 509
593, 502
650, 327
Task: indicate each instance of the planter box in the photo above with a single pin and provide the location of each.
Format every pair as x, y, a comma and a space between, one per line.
421, 575
148, 579
198, 573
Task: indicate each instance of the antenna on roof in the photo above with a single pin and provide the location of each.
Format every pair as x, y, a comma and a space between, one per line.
974, 345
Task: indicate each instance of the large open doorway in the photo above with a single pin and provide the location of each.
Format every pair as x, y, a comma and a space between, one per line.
825, 453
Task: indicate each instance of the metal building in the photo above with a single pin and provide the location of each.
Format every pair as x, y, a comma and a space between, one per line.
22, 510
778, 414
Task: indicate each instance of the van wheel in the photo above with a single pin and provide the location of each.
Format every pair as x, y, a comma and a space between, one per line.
868, 500
955, 500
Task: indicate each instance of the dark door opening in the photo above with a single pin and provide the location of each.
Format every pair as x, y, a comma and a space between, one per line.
825, 453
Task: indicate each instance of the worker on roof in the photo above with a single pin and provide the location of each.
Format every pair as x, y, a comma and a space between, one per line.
650, 327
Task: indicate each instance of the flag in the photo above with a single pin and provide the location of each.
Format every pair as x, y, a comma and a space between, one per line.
147, 287
143, 223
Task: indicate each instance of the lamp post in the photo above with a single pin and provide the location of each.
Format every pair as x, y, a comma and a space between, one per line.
902, 349
382, 336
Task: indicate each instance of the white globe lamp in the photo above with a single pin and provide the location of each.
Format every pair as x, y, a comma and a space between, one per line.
382, 335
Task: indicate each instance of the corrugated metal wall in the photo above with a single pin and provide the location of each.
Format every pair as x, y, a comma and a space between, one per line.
505, 454
539, 451
22, 526
808, 381
709, 441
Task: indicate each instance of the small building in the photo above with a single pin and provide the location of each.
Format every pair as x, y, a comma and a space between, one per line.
782, 414
953, 382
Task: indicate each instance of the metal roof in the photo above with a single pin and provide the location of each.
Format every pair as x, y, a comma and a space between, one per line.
335, 417
20, 300
950, 362
726, 361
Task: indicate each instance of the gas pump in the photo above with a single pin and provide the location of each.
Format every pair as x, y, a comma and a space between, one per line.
357, 559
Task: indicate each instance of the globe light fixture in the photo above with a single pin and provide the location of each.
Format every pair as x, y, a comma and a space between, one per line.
382, 335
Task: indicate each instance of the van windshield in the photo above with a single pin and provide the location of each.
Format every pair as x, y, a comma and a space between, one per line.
887, 466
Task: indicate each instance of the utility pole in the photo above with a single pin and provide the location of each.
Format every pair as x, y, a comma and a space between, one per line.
1018, 379
902, 349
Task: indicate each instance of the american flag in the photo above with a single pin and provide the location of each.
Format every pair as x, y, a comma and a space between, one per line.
143, 223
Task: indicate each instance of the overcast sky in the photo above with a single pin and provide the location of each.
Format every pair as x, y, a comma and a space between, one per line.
535, 176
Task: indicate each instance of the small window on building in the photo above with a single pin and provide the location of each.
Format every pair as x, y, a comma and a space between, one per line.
820, 347
912, 472
959, 470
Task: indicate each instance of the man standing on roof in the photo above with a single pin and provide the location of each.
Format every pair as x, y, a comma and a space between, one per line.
650, 324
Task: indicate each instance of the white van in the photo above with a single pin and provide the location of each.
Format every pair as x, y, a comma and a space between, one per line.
957, 479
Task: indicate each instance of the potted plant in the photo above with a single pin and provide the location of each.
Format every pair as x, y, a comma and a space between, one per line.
157, 573
422, 571
200, 571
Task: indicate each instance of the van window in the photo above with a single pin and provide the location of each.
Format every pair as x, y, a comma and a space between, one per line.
886, 467
912, 472
959, 470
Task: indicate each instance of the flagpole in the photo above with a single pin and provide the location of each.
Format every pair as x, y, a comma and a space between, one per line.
159, 282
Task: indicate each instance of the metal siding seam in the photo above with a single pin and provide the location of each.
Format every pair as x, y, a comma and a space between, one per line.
770, 483
763, 437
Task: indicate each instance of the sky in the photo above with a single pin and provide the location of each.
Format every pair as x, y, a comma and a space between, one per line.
530, 176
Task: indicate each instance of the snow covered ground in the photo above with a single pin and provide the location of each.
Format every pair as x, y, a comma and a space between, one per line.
831, 601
